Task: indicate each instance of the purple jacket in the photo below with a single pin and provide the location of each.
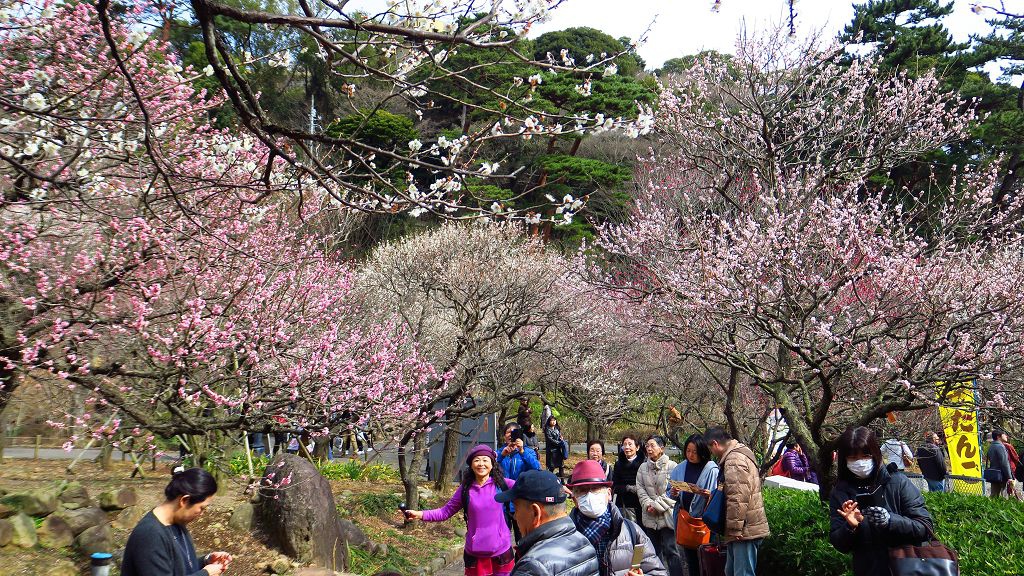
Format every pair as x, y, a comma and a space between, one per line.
487, 534
798, 468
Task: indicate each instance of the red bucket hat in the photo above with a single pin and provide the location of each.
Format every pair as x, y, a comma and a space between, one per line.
588, 473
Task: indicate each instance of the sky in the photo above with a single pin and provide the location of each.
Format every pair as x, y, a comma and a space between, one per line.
682, 27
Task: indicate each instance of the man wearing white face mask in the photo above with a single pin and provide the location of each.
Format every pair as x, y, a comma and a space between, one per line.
612, 536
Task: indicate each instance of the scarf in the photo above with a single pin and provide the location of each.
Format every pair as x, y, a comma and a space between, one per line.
596, 530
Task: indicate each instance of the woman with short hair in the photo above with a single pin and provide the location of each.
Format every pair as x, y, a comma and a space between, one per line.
160, 544
595, 452
893, 512
655, 505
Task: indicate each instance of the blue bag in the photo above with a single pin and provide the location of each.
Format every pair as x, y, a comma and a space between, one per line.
565, 449
714, 513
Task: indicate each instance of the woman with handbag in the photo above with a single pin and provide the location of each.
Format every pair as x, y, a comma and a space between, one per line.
873, 509
553, 446
699, 471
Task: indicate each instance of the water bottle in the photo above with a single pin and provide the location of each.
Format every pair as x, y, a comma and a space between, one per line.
99, 564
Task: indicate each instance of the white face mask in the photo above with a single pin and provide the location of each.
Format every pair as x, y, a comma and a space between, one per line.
593, 504
861, 468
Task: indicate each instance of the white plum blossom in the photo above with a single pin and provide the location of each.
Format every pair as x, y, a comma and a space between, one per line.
611, 70
415, 145
35, 101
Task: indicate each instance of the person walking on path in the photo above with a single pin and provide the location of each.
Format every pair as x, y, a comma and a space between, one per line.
612, 536
624, 478
697, 469
896, 451
998, 458
551, 545
516, 457
488, 549
160, 544
655, 505
553, 449
932, 461
896, 517
796, 464
746, 524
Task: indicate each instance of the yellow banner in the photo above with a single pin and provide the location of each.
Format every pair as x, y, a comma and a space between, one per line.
961, 428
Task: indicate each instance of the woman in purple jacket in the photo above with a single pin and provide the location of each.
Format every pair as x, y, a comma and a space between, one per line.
796, 464
488, 549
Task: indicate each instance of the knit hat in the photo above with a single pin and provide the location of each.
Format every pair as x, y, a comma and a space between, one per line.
481, 450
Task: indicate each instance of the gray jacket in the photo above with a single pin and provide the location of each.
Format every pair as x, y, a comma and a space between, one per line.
556, 549
999, 458
618, 556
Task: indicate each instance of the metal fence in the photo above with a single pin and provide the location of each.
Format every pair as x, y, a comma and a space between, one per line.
958, 484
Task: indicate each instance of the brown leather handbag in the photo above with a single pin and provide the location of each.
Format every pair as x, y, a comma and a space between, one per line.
691, 532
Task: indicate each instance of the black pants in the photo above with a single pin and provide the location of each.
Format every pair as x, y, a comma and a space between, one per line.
692, 560
664, 541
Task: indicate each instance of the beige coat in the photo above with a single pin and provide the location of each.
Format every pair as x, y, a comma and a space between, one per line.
740, 480
651, 484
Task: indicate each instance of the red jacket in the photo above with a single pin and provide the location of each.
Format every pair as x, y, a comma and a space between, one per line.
1014, 458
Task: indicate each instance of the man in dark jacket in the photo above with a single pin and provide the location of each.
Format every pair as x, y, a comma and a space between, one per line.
932, 462
612, 536
999, 458
624, 477
550, 546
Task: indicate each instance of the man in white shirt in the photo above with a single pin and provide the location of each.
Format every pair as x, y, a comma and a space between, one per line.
896, 451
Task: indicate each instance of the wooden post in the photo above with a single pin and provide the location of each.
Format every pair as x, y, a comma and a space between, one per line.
35, 453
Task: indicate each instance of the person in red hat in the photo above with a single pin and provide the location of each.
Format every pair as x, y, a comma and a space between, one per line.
488, 550
612, 535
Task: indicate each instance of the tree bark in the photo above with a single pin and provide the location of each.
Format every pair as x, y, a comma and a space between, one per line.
446, 472
409, 459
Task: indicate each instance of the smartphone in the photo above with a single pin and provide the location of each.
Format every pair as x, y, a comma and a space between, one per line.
866, 500
638, 556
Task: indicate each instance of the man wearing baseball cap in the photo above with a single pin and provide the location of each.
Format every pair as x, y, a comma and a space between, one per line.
550, 545
601, 522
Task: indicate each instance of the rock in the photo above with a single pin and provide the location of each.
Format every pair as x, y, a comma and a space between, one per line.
83, 518
95, 539
118, 499
7, 511
24, 531
129, 517
424, 493
437, 565
300, 518
242, 517
346, 494
6, 532
460, 531
280, 565
63, 568
54, 532
39, 502
354, 535
74, 496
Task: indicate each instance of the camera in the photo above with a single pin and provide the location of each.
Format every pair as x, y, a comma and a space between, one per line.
516, 434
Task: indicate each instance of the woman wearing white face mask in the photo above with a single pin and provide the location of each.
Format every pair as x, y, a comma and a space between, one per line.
891, 511
612, 536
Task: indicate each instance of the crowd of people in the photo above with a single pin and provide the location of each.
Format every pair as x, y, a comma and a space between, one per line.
628, 518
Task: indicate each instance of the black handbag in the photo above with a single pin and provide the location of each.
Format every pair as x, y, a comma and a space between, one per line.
932, 558
993, 475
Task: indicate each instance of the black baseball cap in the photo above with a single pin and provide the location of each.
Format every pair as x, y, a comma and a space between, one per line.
536, 486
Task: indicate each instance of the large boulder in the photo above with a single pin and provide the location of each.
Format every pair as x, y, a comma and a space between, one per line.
118, 499
74, 496
79, 520
296, 512
24, 531
62, 568
54, 532
6, 511
93, 540
129, 517
38, 502
6, 532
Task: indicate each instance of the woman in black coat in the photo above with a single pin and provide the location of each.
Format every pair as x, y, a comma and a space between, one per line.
893, 512
624, 477
553, 445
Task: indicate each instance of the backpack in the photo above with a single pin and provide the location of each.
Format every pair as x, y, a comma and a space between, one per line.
501, 487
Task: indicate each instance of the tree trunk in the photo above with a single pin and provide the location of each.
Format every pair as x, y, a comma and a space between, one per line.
106, 456
446, 472
409, 460
590, 430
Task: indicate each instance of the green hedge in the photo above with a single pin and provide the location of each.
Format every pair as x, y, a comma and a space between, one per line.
987, 534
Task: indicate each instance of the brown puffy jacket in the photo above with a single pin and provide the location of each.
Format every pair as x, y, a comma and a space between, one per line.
745, 518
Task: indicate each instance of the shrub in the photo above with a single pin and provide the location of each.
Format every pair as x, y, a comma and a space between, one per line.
347, 470
375, 504
239, 465
380, 473
982, 531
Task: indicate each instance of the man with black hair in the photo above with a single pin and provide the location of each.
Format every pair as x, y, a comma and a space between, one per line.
999, 459
932, 461
746, 524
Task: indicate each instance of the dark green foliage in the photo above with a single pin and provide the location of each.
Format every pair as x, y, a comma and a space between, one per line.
581, 42
985, 533
380, 129
909, 34
375, 504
